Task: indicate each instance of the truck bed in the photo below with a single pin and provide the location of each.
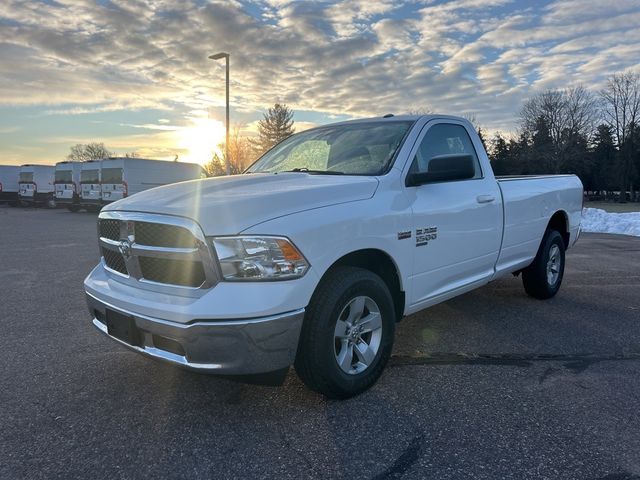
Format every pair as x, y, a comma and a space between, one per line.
528, 202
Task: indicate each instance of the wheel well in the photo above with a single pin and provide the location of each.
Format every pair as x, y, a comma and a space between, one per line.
381, 264
559, 222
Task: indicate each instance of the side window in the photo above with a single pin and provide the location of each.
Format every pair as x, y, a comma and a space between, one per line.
444, 139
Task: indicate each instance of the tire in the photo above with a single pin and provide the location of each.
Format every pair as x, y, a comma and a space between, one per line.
50, 202
341, 317
542, 279
73, 208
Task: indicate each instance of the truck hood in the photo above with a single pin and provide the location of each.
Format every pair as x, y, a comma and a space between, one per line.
229, 205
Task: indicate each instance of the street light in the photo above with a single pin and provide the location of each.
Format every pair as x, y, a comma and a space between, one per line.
218, 56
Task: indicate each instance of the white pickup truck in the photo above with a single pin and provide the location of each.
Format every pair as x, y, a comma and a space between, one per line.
312, 256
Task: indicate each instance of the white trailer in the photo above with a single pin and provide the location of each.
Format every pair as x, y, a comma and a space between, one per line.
9, 184
36, 185
123, 177
67, 185
90, 193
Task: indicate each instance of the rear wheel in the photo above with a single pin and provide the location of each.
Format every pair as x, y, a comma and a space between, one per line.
50, 202
73, 208
542, 279
347, 335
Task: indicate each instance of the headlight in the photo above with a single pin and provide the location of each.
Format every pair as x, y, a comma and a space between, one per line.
251, 258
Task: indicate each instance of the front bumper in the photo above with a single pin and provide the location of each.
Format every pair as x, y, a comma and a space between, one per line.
233, 347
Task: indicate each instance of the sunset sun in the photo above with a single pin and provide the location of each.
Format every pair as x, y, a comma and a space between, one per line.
201, 140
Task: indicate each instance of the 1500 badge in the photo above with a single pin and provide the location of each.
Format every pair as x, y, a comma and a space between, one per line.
423, 235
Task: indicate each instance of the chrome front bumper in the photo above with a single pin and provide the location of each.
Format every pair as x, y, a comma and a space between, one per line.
233, 347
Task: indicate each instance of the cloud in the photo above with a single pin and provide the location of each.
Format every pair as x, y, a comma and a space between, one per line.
353, 58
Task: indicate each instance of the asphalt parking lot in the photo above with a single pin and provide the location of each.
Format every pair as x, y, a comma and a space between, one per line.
489, 385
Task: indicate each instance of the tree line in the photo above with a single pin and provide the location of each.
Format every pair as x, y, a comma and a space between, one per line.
595, 135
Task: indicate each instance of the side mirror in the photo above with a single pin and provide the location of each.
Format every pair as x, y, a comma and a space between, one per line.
444, 168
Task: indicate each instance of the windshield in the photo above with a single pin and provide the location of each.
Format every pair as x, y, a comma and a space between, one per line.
26, 177
63, 176
111, 175
90, 176
352, 149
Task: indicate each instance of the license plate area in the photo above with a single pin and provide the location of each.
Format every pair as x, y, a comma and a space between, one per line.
123, 327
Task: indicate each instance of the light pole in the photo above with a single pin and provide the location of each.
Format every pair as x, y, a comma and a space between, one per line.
218, 56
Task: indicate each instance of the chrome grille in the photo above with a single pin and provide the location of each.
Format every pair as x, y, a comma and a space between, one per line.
114, 261
156, 249
177, 272
109, 229
159, 235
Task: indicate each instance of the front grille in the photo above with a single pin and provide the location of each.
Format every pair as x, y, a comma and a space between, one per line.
110, 229
161, 235
171, 253
185, 273
114, 260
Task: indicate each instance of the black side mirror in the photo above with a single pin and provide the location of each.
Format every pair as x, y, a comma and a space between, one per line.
444, 168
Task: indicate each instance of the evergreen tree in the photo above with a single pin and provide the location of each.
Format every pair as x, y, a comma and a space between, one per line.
276, 125
604, 161
500, 156
543, 152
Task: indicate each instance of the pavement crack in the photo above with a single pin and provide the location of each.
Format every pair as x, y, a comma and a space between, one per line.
574, 362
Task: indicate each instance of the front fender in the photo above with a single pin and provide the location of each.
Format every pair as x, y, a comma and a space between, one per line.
326, 234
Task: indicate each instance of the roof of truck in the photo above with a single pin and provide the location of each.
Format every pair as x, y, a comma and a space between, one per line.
398, 118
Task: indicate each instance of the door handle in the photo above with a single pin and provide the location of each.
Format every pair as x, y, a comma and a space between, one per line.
485, 198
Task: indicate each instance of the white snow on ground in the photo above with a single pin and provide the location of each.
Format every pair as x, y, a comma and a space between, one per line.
599, 221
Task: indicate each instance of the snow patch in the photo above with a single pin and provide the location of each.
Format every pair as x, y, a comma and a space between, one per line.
599, 221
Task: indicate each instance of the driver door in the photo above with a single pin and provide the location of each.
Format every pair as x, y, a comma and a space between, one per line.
457, 223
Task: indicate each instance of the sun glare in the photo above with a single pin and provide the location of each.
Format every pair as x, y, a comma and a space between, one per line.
201, 140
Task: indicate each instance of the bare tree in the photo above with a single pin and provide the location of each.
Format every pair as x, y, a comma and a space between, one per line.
621, 111
241, 155
90, 151
581, 112
567, 118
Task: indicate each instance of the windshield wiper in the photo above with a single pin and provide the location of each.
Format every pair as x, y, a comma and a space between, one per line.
314, 172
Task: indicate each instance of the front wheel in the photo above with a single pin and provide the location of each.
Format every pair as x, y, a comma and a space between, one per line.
542, 279
347, 335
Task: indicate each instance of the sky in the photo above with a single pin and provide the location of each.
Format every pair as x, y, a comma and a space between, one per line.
135, 75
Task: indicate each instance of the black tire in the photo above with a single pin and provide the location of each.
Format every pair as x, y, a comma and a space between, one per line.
73, 208
535, 277
316, 362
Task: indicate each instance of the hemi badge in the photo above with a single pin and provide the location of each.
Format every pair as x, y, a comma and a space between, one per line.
403, 235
